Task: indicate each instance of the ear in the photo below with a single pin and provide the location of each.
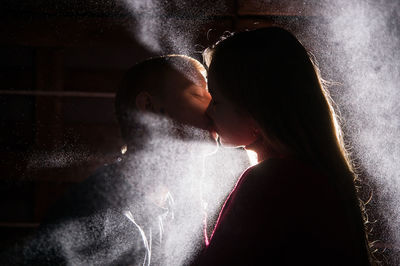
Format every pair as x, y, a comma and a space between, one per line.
144, 101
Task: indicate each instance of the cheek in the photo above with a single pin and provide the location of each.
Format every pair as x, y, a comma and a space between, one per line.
237, 136
224, 117
190, 110
233, 129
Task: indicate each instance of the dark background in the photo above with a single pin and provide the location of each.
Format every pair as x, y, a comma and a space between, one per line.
60, 63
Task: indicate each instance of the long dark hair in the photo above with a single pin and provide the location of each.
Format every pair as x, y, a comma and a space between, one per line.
270, 74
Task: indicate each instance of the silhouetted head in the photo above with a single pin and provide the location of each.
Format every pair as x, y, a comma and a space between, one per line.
265, 86
171, 85
268, 96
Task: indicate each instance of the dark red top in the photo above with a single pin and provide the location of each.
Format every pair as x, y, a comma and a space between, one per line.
283, 212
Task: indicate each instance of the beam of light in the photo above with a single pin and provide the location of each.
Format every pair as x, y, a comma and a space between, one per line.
170, 26
253, 158
357, 43
167, 166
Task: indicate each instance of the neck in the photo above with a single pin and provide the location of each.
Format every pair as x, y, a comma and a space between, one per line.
263, 150
257, 147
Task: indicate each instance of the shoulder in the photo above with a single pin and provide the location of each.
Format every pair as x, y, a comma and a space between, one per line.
283, 172
268, 173
288, 181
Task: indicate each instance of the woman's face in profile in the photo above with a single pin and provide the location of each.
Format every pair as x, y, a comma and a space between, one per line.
234, 125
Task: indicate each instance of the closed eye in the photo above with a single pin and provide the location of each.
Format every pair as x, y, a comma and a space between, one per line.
197, 95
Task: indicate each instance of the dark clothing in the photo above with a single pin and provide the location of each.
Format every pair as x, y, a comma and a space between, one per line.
98, 222
283, 212
111, 218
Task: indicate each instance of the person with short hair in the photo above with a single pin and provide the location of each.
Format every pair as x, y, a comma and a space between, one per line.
121, 214
174, 85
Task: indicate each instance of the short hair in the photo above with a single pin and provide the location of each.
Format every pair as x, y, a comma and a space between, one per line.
154, 76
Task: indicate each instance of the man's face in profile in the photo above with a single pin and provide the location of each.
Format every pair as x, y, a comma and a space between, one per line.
187, 102
182, 95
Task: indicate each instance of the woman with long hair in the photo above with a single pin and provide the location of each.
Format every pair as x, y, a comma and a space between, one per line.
299, 204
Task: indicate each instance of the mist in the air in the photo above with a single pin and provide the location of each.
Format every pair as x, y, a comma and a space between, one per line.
146, 208
357, 46
364, 49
